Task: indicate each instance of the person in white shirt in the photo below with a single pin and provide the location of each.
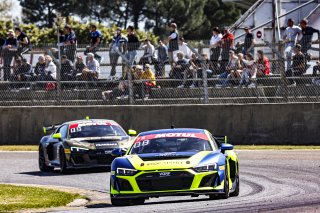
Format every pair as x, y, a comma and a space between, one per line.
50, 70
184, 49
149, 55
215, 48
92, 70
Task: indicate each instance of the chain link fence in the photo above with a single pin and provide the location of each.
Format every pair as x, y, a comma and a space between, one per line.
197, 78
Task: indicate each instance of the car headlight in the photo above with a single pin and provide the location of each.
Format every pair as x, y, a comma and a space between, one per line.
206, 168
126, 172
78, 149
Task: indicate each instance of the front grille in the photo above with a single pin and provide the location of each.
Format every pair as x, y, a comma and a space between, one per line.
165, 180
124, 185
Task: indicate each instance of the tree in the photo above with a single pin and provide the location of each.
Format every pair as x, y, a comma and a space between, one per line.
5, 7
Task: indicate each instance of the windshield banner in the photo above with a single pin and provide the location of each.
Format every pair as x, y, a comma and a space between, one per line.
173, 135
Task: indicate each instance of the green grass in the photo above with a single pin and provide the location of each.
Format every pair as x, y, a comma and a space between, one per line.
18, 148
275, 147
14, 198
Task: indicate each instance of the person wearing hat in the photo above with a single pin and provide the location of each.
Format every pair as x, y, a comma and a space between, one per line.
173, 42
290, 36
117, 47
95, 40
9, 51
70, 43
149, 54
92, 70
298, 65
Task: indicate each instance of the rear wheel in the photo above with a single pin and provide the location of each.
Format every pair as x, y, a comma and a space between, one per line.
42, 162
237, 189
63, 161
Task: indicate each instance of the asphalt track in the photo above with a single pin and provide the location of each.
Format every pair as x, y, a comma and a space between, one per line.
275, 181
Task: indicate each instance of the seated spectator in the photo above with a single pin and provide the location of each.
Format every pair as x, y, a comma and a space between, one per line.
79, 66
195, 67
298, 65
263, 64
162, 59
184, 49
92, 70
149, 81
39, 70
22, 70
231, 67
249, 71
149, 55
179, 67
235, 75
67, 73
316, 72
50, 69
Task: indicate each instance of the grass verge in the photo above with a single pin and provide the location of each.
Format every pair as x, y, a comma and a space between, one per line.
14, 198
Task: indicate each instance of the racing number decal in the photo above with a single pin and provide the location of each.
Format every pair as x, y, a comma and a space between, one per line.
141, 143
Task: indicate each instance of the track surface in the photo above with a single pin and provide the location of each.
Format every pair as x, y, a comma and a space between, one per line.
277, 181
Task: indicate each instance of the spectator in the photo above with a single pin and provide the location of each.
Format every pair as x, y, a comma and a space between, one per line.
227, 43
2, 42
39, 70
50, 70
149, 82
249, 71
184, 49
208, 65
79, 67
9, 51
230, 68
316, 72
70, 43
66, 70
215, 47
162, 59
238, 73
195, 67
179, 67
263, 64
149, 55
290, 36
92, 70
95, 41
173, 42
117, 47
23, 42
249, 42
22, 70
307, 33
298, 65
132, 45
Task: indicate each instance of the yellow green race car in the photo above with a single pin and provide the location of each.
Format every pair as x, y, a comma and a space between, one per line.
174, 162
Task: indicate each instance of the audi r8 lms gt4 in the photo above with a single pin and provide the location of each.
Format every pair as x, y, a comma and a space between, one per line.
174, 162
81, 144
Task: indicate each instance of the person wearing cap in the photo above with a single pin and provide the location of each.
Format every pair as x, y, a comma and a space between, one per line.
132, 45
92, 70
70, 43
149, 54
307, 34
298, 65
117, 47
173, 42
215, 49
95, 40
23, 41
9, 51
291, 34
227, 43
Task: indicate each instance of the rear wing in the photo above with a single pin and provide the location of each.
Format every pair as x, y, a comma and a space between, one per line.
50, 128
221, 138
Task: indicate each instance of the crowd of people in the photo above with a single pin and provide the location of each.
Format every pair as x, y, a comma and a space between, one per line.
234, 64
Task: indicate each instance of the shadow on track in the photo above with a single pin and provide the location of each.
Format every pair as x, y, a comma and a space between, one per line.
70, 172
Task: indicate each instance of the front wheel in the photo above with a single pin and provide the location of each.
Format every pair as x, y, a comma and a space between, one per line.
237, 189
63, 161
42, 162
226, 189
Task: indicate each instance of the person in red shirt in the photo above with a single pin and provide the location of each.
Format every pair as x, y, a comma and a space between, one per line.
227, 43
263, 64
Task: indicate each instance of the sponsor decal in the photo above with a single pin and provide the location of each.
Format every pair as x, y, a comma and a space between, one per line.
106, 144
172, 135
158, 163
164, 174
77, 126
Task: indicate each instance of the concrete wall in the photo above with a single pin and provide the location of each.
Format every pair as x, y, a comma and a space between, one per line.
244, 124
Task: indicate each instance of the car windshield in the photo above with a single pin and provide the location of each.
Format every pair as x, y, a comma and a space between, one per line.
95, 131
170, 144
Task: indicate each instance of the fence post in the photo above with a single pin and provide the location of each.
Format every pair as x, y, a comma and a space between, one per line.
130, 85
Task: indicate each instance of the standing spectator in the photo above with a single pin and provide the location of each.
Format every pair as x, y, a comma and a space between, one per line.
263, 64
50, 70
132, 45
290, 36
249, 71
95, 41
23, 42
92, 70
307, 33
227, 43
184, 49
66, 70
298, 65
9, 51
39, 70
249, 42
79, 67
173, 42
179, 67
117, 45
70, 43
162, 59
215, 49
149, 55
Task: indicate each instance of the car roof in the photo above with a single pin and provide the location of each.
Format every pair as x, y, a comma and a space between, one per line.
89, 121
176, 130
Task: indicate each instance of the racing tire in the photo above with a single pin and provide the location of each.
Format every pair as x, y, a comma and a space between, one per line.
237, 189
226, 190
42, 162
63, 161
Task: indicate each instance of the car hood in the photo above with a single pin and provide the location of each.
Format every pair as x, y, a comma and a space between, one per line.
181, 160
100, 142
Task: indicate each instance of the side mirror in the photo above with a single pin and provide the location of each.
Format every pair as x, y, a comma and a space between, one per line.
132, 132
226, 146
57, 136
118, 152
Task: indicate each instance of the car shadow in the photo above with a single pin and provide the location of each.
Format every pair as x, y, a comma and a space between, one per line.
57, 172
